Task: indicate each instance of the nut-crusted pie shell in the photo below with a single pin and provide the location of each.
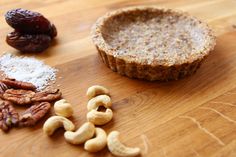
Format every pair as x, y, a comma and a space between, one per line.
151, 43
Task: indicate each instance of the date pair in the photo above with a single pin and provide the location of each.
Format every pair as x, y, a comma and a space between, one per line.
33, 32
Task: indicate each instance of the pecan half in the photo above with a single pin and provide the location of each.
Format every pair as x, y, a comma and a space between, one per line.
3, 87
13, 83
8, 116
19, 96
47, 95
33, 114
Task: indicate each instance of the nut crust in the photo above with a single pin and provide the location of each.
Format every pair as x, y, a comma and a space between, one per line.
151, 72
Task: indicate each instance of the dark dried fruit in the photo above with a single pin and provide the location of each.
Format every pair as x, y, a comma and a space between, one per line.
3, 87
33, 32
19, 96
8, 116
47, 95
28, 42
13, 83
53, 31
33, 114
27, 21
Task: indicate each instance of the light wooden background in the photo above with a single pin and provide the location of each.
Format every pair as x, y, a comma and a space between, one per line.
192, 117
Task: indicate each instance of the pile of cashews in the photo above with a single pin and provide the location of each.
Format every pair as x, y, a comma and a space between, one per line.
94, 138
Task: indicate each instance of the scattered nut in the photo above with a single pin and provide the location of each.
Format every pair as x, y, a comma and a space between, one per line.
101, 100
13, 83
33, 114
96, 90
8, 115
98, 143
47, 95
25, 97
55, 122
99, 118
63, 108
119, 149
19, 96
85, 132
3, 87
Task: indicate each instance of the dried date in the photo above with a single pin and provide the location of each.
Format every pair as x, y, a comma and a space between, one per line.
8, 116
53, 31
28, 42
19, 96
47, 95
13, 83
33, 114
27, 21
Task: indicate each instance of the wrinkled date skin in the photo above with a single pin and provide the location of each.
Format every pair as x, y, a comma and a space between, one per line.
13, 83
19, 96
47, 95
27, 21
28, 42
33, 114
8, 116
33, 32
53, 31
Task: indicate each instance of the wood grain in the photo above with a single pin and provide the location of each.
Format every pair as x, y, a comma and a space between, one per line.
192, 117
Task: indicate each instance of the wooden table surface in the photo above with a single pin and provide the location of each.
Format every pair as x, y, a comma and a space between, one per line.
192, 117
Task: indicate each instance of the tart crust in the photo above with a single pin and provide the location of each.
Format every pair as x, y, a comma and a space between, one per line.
139, 64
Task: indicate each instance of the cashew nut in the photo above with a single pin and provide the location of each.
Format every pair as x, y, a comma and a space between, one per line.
99, 118
63, 108
101, 100
96, 90
85, 132
98, 143
55, 122
119, 149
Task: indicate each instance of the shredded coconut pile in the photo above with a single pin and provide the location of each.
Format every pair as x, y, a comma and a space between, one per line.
28, 70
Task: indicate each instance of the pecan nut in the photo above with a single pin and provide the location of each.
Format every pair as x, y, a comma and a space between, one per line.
47, 95
3, 87
8, 116
20, 96
13, 83
33, 114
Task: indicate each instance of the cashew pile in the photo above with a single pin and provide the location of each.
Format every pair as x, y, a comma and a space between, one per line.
99, 96
63, 110
94, 138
